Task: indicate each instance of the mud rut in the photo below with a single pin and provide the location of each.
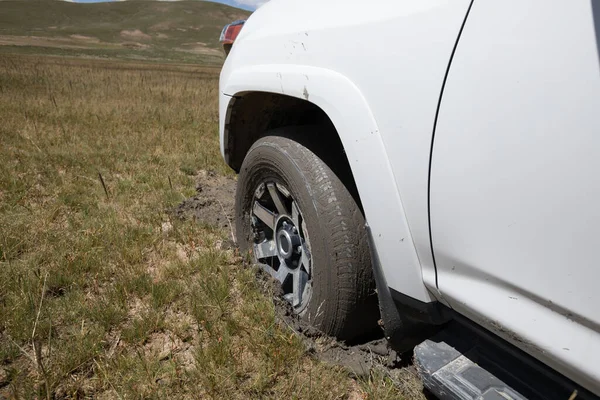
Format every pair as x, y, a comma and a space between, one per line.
213, 204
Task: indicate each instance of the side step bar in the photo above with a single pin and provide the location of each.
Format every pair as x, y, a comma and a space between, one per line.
466, 362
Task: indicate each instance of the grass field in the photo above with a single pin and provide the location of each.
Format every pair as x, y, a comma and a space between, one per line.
102, 292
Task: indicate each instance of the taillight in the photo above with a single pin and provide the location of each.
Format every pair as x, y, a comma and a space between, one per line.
230, 33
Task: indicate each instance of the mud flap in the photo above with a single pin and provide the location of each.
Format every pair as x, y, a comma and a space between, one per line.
401, 329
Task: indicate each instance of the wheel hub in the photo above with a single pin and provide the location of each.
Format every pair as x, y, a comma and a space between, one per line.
288, 241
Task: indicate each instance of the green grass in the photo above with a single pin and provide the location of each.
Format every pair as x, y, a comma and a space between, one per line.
182, 31
102, 294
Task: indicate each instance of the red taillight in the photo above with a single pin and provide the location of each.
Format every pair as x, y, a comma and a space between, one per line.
231, 32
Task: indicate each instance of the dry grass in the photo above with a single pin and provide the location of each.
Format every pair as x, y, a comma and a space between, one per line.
101, 293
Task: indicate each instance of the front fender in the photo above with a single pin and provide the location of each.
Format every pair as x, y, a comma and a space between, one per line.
347, 109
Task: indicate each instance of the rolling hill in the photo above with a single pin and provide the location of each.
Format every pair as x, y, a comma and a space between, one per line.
182, 31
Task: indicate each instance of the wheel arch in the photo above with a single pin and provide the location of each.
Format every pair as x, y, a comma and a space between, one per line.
257, 114
252, 114
320, 95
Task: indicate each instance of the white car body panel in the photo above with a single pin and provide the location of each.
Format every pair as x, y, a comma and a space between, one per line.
514, 218
515, 191
341, 60
363, 146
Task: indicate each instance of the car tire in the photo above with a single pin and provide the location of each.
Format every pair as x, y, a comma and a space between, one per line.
303, 226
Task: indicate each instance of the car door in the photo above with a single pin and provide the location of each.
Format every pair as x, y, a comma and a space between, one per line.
515, 179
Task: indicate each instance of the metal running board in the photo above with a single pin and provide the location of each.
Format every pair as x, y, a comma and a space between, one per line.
450, 375
465, 362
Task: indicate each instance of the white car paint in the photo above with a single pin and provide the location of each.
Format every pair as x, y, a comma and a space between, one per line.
338, 54
378, 71
364, 148
515, 192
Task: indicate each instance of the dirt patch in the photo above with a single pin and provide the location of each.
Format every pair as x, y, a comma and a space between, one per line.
192, 44
84, 38
134, 45
164, 345
360, 359
163, 25
134, 35
214, 205
197, 48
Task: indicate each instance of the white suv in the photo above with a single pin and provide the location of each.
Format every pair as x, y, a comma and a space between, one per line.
438, 159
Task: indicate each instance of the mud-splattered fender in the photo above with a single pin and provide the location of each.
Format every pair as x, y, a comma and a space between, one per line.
346, 107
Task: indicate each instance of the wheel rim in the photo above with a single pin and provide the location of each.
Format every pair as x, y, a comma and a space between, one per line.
281, 245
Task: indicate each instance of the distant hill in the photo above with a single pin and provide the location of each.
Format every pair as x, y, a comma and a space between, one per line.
183, 31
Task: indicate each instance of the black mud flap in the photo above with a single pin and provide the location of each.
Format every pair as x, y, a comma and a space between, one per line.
404, 325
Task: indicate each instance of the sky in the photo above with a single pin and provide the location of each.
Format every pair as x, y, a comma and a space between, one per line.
249, 5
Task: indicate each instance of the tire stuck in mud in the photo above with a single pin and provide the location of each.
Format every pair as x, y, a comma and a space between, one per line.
213, 205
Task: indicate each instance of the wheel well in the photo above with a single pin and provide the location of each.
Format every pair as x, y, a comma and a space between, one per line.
253, 115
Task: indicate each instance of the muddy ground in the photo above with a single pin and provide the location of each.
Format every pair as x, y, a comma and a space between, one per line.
214, 205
